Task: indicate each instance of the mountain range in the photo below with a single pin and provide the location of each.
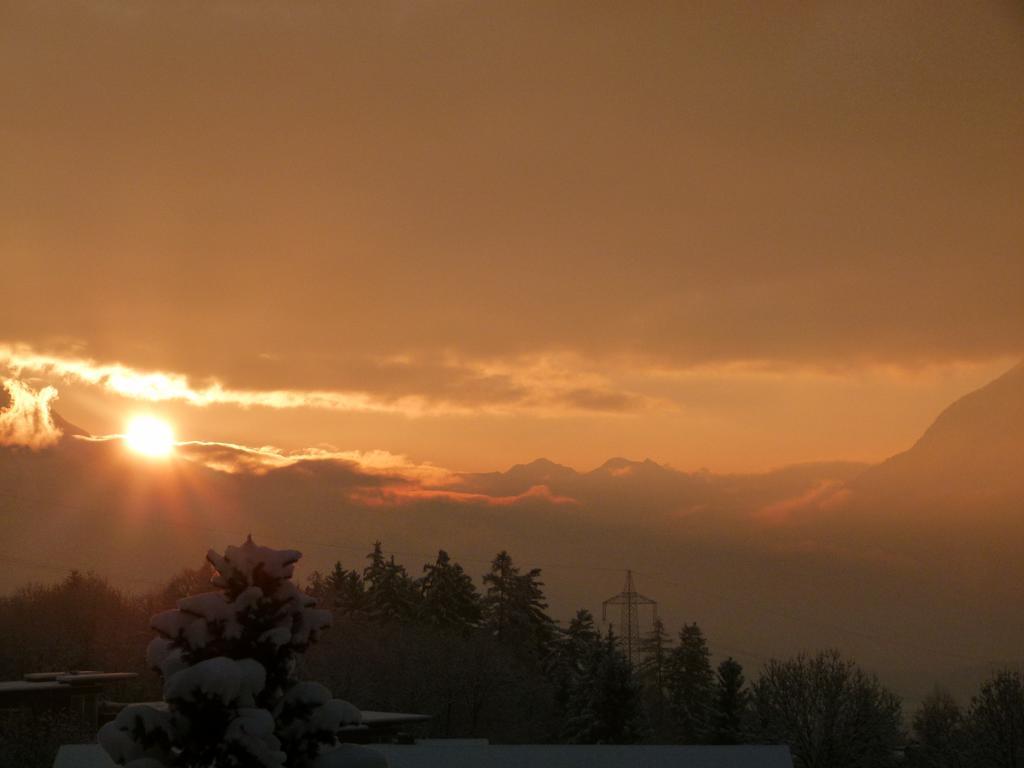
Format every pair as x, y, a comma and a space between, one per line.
912, 565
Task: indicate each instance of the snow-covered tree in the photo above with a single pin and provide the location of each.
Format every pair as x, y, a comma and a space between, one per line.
228, 660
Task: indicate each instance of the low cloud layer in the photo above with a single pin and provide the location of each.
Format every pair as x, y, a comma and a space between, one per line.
233, 458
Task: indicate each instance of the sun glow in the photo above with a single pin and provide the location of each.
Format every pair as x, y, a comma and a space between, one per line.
149, 436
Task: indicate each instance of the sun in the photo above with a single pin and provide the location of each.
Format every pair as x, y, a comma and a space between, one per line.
149, 436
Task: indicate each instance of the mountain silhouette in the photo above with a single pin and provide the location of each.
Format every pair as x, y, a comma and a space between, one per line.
973, 454
67, 429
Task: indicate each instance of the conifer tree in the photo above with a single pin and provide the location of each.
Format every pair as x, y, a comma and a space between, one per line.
316, 586
690, 686
448, 597
515, 610
228, 660
604, 699
581, 635
574, 651
732, 702
374, 573
391, 595
341, 590
655, 648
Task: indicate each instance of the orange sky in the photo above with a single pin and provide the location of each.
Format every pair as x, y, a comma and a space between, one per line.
478, 234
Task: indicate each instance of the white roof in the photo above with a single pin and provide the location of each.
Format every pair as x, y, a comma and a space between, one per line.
85, 678
464, 755
438, 755
20, 686
55, 681
82, 756
371, 718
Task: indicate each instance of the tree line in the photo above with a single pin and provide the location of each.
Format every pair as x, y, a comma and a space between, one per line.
574, 684
491, 662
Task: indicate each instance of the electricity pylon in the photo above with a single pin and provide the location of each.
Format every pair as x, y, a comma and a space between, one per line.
629, 602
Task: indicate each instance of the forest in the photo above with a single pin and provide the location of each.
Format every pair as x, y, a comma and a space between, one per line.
489, 661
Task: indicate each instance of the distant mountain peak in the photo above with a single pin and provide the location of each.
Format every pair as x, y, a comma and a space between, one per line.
544, 462
993, 411
617, 462
619, 466
66, 427
541, 466
971, 450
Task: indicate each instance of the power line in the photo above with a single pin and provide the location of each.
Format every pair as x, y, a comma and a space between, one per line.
874, 637
765, 609
304, 542
70, 568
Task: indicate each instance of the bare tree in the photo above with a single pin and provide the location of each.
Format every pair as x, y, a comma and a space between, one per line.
938, 733
829, 712
995, 723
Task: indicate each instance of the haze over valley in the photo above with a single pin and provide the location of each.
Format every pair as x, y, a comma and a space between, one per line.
909, 564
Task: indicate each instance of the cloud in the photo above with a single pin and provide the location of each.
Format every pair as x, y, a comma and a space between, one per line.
600, 399
540, 385
369, 478
541, 493
374, 478
235, 458
836, 231
27, 419
157, 386
825, 496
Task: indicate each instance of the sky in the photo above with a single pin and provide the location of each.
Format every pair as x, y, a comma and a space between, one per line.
715, 235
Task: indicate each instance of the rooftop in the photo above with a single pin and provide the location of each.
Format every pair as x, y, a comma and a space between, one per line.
437, 754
